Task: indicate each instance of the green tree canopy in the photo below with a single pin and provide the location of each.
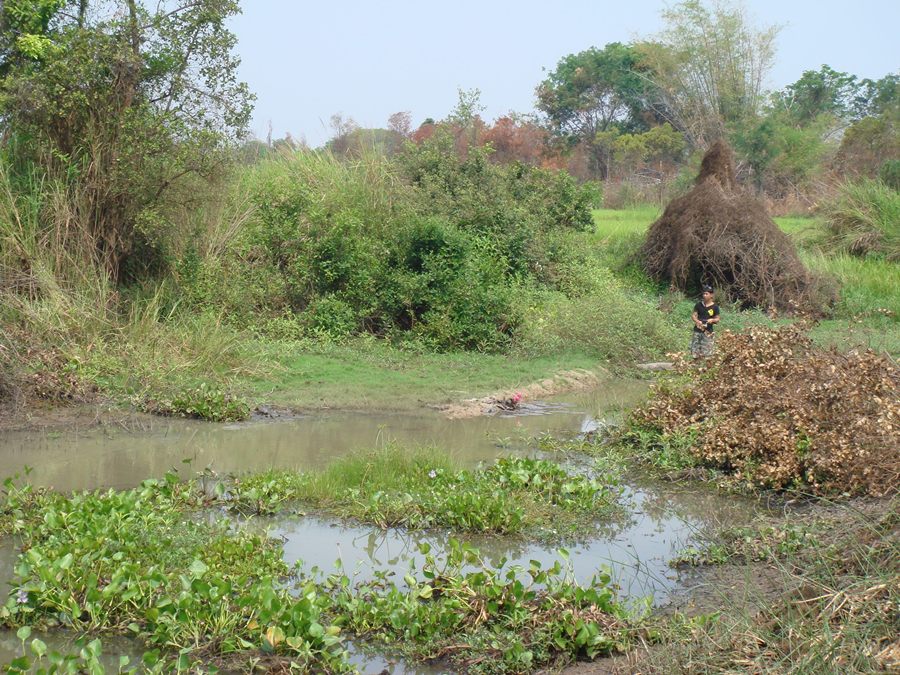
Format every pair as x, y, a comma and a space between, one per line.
591, 91
122, 100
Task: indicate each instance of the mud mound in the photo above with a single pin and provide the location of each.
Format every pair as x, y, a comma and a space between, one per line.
718, 234
774, 409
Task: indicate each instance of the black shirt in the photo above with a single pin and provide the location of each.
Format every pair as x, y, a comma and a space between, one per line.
704, 314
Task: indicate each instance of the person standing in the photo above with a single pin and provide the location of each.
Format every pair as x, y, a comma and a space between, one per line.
705, 317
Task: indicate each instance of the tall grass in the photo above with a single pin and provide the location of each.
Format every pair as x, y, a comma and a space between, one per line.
864, 219
867, 285
59, 306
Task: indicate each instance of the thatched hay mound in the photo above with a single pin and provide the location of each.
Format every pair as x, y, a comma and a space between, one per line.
719, 234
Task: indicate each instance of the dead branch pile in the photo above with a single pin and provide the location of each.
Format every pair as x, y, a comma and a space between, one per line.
719, 234
774, 409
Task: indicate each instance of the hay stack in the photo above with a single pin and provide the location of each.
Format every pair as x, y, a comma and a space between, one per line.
721, 235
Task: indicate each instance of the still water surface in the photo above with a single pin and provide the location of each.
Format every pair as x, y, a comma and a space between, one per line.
635, 549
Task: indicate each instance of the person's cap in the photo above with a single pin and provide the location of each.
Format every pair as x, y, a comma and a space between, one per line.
706, 288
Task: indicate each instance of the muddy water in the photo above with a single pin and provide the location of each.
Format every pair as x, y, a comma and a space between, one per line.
118, 458
661, 518
634, 549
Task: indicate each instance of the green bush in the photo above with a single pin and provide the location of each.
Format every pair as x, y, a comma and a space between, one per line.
428, 248
890, 173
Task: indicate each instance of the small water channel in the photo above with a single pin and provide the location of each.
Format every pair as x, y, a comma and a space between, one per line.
661, 517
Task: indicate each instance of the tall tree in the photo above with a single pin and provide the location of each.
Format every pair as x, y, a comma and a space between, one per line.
710, 64
122, 100
591, 91
817, 92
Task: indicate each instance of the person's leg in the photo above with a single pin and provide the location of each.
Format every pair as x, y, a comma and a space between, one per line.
708, 345
696, 344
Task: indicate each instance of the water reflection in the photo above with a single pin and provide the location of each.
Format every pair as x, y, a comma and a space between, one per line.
660, 519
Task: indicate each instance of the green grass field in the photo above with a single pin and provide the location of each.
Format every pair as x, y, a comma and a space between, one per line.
368, 374
867, 314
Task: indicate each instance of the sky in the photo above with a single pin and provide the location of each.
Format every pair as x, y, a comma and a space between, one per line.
366, 60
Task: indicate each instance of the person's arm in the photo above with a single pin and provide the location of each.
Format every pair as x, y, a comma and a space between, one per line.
697, 321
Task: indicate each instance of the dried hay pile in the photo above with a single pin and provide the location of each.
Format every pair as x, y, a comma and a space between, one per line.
718, 234
774, 409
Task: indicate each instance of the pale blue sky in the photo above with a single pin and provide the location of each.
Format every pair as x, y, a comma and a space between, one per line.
366, 60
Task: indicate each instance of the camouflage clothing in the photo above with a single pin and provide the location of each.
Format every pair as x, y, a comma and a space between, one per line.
703, 344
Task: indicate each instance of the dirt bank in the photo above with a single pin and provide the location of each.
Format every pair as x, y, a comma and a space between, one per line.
36, 414
561, 383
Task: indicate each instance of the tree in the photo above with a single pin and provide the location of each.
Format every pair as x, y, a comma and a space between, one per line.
710, 66
818, 92
121, 101
401, 123
592, 91
514, 139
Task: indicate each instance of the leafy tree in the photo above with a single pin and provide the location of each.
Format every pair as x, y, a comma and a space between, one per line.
710, 65
124, 102
817, 92
591, 92
782, 155
878, 97
659, 144
514, 139
868, 143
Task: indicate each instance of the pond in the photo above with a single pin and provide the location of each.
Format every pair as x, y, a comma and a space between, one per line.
661, 517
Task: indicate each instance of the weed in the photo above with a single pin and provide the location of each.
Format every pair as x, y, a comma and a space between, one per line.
418, 490
864, 219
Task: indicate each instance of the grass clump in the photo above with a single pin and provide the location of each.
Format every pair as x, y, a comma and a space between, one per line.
864, 219
772, 409
423, 489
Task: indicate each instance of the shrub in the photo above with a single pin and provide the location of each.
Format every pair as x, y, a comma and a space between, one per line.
592, 311
890, 173
352, 247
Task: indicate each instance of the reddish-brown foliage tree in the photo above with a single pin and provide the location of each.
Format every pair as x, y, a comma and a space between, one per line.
516, 141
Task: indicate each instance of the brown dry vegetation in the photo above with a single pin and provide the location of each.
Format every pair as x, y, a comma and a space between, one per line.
719, 234
774, 409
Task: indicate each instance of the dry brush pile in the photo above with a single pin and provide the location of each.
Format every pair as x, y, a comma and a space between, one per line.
719, 234
774, 409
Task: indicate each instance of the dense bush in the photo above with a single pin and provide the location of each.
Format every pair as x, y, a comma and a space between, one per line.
590, 309
431, 247
889, 173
